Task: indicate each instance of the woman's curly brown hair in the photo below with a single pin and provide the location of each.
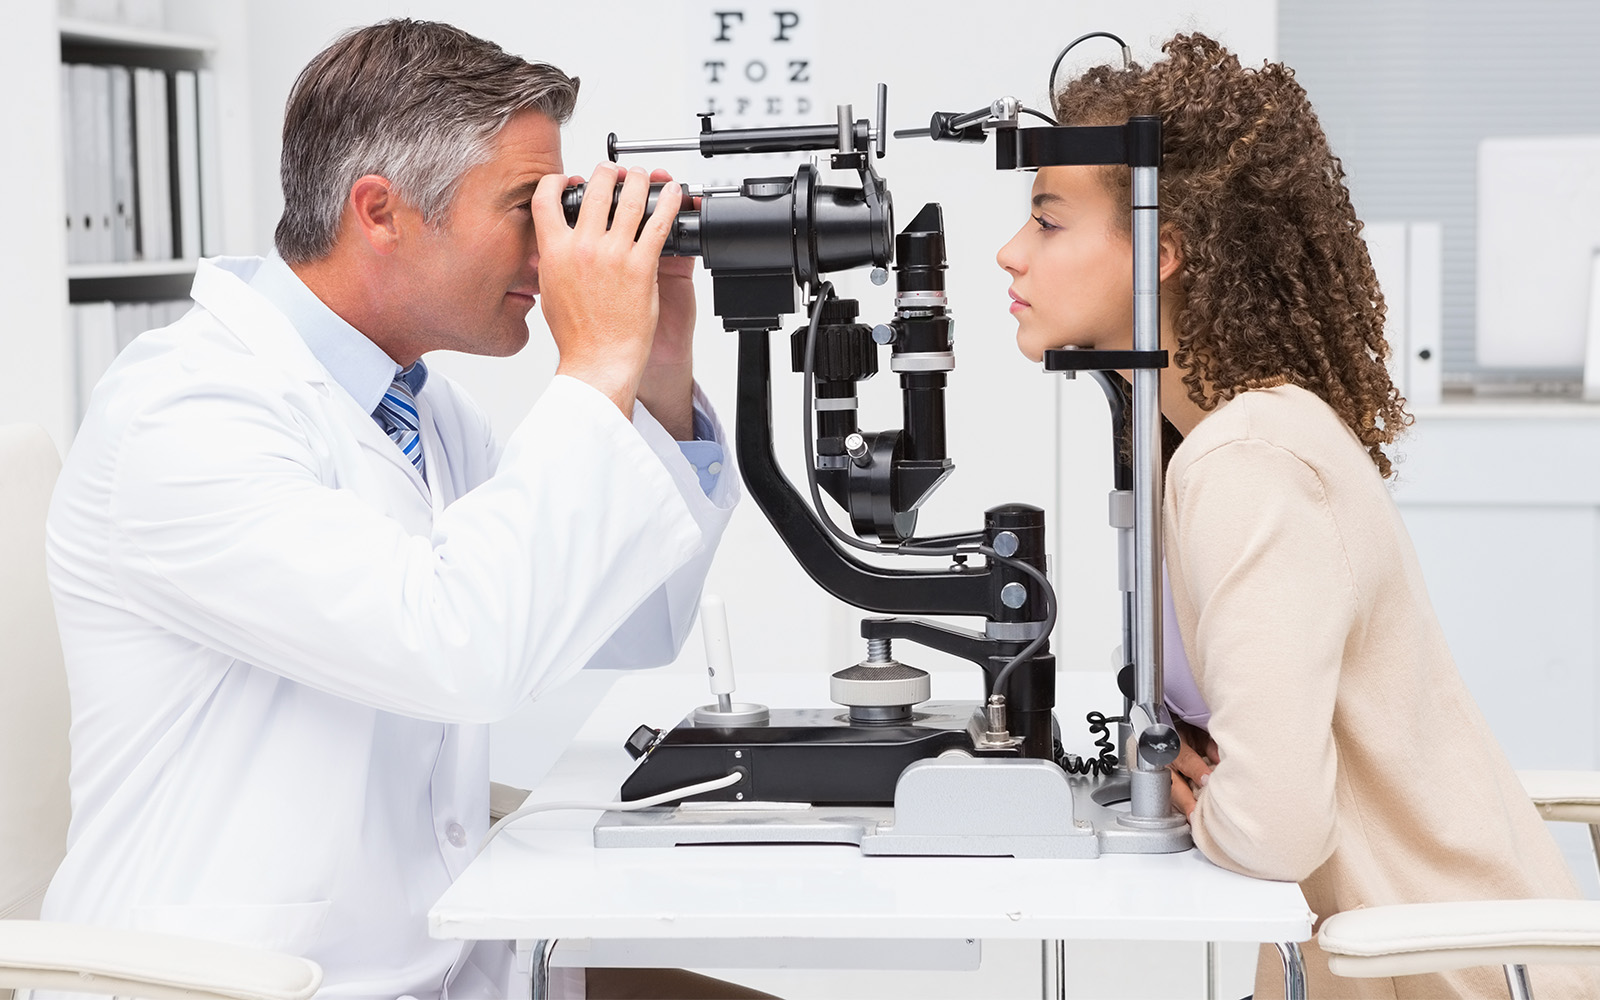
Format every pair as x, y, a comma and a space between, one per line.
1276, 281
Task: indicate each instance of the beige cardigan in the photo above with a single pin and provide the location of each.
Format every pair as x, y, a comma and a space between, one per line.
1353, 759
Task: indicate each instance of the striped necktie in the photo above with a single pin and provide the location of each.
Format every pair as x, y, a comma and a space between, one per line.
397, 414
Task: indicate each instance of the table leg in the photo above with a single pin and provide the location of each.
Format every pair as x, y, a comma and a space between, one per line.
1053, 970
1211, 970
1517, 982
1294, 972
540, 978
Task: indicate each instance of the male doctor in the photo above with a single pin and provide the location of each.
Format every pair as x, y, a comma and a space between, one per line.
294, 574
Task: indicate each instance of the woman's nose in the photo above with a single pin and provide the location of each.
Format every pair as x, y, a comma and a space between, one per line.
1009, 257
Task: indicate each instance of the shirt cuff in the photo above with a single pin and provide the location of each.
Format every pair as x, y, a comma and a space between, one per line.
704, 452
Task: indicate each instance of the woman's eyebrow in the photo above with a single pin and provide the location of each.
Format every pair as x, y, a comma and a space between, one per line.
1045, 198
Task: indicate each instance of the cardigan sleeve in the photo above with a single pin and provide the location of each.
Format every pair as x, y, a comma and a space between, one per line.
1260, 554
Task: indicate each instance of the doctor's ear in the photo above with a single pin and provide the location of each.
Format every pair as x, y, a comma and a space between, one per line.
374, 204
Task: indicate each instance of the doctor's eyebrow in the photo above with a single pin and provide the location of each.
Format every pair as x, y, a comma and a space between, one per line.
522, 193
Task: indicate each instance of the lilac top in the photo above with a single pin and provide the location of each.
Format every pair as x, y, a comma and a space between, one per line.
1183, 695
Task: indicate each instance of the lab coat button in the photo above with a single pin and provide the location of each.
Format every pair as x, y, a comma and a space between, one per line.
715, 468
456, 834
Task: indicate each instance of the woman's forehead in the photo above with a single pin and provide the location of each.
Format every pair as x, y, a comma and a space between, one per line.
1075, 187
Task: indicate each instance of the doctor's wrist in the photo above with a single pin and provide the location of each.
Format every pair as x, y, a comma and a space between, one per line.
620, 388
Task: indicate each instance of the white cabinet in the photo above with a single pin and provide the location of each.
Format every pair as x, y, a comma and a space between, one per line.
1503, 504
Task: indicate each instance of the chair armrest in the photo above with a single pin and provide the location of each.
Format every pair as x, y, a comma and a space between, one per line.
1566, 796
1414, 938
504, 800
112, 960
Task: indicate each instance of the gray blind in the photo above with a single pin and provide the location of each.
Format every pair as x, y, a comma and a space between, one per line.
1406, 88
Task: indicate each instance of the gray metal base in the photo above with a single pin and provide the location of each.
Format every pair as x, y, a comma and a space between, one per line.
956, 806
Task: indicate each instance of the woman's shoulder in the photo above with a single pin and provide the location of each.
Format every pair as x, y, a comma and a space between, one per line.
1285, 417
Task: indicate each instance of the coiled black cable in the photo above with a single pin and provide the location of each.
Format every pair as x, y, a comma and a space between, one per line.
1108, 760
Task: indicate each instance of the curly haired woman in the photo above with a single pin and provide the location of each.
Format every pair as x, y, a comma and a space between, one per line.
1332, 742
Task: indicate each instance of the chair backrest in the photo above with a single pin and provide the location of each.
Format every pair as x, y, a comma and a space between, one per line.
34, 718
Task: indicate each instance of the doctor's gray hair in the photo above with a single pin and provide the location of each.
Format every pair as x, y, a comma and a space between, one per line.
416, 102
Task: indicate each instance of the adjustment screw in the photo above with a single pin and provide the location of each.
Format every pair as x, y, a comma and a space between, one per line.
1013, 595
1006, 544
879, 276
856, 447
883, 333
1159, 745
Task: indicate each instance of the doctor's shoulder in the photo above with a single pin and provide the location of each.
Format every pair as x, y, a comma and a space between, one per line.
196, 371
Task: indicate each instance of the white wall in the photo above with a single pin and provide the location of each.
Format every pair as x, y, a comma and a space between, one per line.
640, 70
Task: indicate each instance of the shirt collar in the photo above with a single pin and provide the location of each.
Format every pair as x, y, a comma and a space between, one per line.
359, 366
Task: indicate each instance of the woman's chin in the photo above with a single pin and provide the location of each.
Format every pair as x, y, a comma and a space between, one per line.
1031, 347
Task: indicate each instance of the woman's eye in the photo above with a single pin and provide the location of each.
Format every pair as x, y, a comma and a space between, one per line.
1044, 224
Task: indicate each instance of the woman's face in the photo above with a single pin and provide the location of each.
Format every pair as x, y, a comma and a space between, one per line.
1071, 266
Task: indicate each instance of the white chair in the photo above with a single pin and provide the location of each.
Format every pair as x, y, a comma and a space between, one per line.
34, 801
1416, 938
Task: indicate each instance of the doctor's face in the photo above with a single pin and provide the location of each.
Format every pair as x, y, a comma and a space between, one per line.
1071, 266
475, 273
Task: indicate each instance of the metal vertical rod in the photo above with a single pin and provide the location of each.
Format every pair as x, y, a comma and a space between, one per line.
1517, 982
1211, 970
1294, 971
1146, 407
1594, 840
1053, 969
542, 950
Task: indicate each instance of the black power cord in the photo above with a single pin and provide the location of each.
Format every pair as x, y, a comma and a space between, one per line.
1108, 759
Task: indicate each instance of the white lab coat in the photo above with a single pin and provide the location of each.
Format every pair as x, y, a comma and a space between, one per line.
283, 648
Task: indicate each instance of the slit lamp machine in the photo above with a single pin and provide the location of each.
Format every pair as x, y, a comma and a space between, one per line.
887, 769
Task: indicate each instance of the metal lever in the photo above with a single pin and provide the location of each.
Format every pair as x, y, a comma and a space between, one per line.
883, 120
719, 653
719, 667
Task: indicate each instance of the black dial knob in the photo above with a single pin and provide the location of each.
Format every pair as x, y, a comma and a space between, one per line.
641, 741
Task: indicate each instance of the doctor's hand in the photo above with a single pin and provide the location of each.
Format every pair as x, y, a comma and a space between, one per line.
599, 286
1197, 755
667, 388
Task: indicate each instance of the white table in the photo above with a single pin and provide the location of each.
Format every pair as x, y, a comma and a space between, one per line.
543, 880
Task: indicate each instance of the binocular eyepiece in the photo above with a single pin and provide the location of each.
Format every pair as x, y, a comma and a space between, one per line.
572, 200
772, 224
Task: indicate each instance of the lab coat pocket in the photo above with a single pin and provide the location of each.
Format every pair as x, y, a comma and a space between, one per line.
287, 927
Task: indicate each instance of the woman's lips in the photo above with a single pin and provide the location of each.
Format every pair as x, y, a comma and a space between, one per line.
1017, 302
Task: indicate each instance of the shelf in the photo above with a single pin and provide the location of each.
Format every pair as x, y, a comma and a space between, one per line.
100, 33
130, 269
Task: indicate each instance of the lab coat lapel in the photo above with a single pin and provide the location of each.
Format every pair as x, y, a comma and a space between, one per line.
221, 286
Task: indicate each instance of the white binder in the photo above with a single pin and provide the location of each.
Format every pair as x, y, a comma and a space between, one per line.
186, 146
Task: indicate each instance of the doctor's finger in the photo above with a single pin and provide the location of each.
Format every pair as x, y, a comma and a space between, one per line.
659, 176
549, 220
654, 236
630, 204
596, 208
